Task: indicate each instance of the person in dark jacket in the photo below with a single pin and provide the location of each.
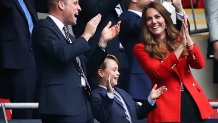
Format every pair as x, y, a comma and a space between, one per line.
17, 64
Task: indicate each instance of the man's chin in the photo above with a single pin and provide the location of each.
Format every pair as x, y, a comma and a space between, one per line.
74, 23
115, 84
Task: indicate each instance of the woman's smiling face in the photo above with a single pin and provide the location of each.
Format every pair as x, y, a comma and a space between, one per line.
155, 22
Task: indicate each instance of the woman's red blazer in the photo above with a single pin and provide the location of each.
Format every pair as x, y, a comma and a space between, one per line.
171, 72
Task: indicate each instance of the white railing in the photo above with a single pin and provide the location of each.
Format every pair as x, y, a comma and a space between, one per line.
5, 106
20, 105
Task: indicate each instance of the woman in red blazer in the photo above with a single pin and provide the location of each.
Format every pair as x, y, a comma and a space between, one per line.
167, 60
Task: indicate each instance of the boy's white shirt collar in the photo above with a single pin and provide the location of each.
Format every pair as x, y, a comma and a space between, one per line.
102, 86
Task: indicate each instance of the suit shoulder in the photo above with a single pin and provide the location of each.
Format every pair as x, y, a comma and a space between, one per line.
97, 91
42, 22
128, 14
124, 15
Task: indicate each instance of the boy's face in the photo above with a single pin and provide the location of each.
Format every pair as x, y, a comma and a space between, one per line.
112, 71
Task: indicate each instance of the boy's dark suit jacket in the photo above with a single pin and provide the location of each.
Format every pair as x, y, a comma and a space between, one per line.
108, 110
61, 91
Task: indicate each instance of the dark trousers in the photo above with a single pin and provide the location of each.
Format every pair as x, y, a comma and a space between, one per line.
19, 85
189, 109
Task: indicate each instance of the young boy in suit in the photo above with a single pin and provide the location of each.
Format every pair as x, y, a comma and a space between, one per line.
113, 105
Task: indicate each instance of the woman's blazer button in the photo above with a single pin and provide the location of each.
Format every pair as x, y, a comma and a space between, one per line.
193, 84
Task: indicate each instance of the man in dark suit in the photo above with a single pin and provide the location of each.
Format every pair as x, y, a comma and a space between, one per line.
139, 83
107, 9
61, 63
17, 64
114, 105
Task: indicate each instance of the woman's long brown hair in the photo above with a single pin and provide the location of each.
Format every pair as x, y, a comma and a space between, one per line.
152, 46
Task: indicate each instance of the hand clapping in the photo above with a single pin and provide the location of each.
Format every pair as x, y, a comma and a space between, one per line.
109, 32
156, 93
185, 36
91, 27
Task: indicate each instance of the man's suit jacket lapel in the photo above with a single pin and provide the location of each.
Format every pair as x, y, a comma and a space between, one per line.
72, 38
19, 8
55, 27
30, 7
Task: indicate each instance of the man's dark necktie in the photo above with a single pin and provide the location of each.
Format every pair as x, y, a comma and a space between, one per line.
78, 61
67, 35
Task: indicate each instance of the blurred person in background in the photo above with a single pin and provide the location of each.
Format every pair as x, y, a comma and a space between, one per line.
211, 9
17, 64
